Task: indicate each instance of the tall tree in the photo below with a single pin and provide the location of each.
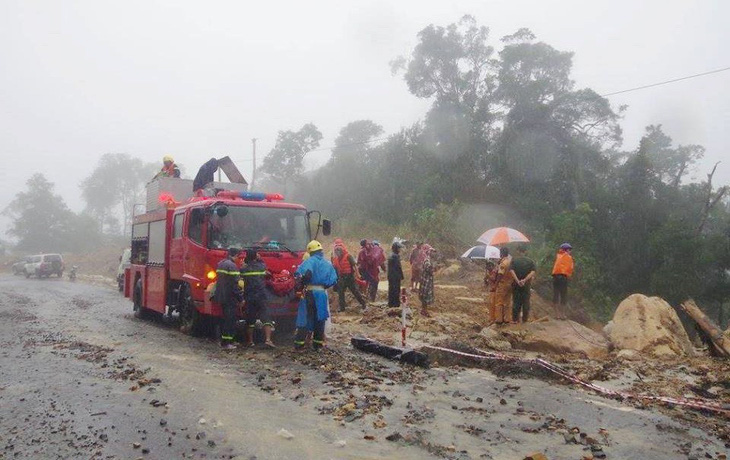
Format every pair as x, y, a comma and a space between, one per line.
671, 163
454, 67
40, 218
286, 160
117, 182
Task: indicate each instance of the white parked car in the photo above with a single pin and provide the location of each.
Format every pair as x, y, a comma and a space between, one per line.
44, 265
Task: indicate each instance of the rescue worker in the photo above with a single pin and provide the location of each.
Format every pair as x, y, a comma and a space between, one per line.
254, 293
562, 272
499, 312
314, 276
395, 275
346, 268
227, 295
522, 271
169, 168
425, 288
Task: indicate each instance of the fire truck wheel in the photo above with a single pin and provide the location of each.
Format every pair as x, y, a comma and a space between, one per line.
191, 321
139, 311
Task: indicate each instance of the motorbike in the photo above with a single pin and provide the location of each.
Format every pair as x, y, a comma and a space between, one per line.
72, 273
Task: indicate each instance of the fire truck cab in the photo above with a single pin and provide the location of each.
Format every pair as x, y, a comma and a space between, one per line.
176, 247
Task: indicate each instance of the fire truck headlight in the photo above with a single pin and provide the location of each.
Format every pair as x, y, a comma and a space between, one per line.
211, 275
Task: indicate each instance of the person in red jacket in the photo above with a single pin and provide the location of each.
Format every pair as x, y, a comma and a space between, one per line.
346, 268
562, 272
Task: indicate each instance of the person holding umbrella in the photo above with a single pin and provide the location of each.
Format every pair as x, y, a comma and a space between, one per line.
499, 312
425, 288
562, 272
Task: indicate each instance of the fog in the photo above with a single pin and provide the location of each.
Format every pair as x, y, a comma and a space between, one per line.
200, 79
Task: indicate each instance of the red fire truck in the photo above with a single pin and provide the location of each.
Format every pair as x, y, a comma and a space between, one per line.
176, 246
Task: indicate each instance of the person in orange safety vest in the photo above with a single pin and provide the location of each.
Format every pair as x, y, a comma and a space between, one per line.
346, 268
562, 272
169, 168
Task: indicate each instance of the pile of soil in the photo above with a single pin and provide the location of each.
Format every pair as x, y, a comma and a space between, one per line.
649, 325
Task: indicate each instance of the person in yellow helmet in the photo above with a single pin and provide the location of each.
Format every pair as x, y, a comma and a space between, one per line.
169, 168
314, 276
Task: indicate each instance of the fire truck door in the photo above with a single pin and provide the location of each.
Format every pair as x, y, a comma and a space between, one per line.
177, 246
195, 250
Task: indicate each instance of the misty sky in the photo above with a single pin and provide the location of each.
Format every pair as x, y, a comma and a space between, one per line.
198, 79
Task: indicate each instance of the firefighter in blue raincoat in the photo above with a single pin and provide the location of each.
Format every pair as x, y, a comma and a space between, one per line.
314, 276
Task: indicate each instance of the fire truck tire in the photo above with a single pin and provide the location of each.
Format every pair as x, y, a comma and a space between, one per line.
191, 321
139, 311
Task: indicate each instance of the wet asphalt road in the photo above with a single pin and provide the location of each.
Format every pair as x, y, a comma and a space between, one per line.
80, 377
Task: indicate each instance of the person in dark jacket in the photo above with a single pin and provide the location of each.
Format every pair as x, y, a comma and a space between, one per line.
254, 294
395, 275
227, 295
206, 174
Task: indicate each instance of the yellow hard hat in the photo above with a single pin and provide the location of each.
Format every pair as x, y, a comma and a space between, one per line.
314, 246
167, 158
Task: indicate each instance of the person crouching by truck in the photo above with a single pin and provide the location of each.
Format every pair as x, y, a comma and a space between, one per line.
253, 274
227, 294
314, 276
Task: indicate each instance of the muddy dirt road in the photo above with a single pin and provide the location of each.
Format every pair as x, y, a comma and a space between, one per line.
81, 378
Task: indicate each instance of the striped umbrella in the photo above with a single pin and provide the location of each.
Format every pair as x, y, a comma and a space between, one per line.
502, 235
481, 252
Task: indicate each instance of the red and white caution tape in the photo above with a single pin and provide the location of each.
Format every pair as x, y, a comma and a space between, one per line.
693, 403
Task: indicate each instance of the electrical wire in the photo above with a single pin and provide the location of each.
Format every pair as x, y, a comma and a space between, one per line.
666, 82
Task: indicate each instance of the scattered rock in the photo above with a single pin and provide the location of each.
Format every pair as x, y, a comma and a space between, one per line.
394, 437
340, 443
285, 434
202, 421
536, 456
557, 336
136, 445
163, 422
494, 339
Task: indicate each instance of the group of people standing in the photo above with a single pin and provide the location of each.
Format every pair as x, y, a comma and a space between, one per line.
361, 276
509, 282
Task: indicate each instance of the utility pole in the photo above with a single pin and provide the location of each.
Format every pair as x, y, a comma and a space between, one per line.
253, 174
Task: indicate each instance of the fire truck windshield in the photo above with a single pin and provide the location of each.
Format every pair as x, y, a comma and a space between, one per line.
268, 228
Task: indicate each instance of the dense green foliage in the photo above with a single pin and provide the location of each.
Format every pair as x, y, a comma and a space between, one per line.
510, 128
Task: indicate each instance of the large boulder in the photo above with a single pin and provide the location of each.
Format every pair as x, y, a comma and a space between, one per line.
649, 325
558, 337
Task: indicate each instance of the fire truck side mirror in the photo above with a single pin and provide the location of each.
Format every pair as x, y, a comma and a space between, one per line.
221, 211
326, 227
